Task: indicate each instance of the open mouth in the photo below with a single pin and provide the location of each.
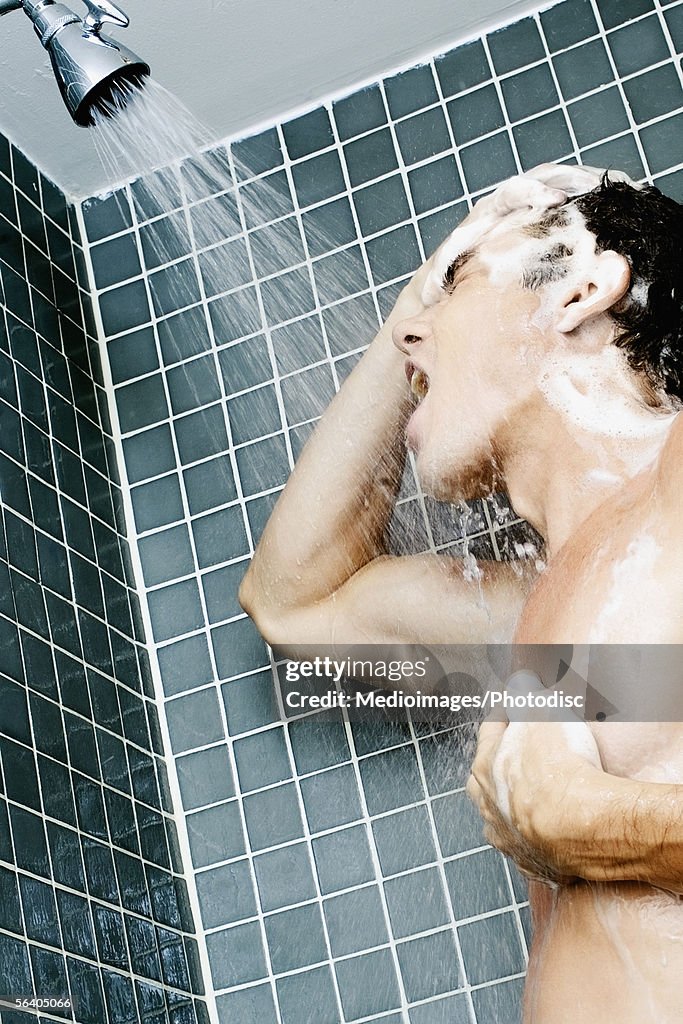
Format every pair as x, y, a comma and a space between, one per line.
418, 380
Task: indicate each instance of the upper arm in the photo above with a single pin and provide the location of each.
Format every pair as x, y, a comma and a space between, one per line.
413, 599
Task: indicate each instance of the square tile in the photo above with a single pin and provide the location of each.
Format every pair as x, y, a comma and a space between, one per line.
175, 610
238, 648
235, 316
149, 453
349, 321
475, 114
340, 274
404, 840
477, 884
115, 261
220, 536
252, 1005
417, 958
491, 948
220, 591
185, 665
262, 759
124, 308
500, 1002
318, 178
394, 254
108, 216
205, 777
166, 556
209, 484
308, 998
458, 824
663, 143
416, 903
273, 817
165, 240
225, 267
174, 287
318, 741
613, 14
157, 503
215, 834
200, 434
370, 157
359, 113
266, 199
654, 93
381, 205
250, 702
296, 938
257, 154
194, 720
355, 921
246, 364
515, 46
287, 296
529, 92
597, 116
399, 765
183, 335
568, 23
215, 220
452, 1010
305, 395
583, 69
236, 955
410, 91
226, 894
488, 162
622, 153
638, 46
331, 798
674, 21
308, 134
298, 344
543, 139
343, 859
368, 984
277, 247
254, 414
284, 877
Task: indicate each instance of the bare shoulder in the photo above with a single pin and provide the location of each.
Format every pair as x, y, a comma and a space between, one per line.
670, 468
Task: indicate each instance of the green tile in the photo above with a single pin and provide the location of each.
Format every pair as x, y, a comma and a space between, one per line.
617, 12
194, 720
359, 113
200, 434
417, 958
423, 136
331, 798
253, 1005
175, 610
394, 254
262, 759
654, 93
215, 834
308, 134
544, 139
236, 955
287, 296
437, 226
674, 20
416, 903
254, 414
193, 384
277, 247
638, 46
284, 877
488, 162
598, 116
165, 240
400, 765
329, 226
410, 91
174, 287
515, 46
529, 92
343, 859
671, 185
205, 778
583, 69
434, 184
183, 335
451, 1010
404, 840
296, 938
663, 143
298, 344
273, 817
235, 316
355, 921
263, 465
500, 1002
475, 114
246, 364
462, 68
306, 394
115, 261
621, 154
257, 154
491, 948
220, 536
220, 591
381, 205
124, 308
370, 157
340, 274
141, 403
318, 742
108, 216
308, 998
266, 199
477, 884
250, 702
226, 894
185, 665
215, 220
458, 824
225, 267
568, 23
368, 984
318, 178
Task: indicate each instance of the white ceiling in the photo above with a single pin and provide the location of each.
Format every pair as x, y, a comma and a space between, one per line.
237, 65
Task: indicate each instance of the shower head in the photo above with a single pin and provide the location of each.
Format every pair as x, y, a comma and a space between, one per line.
94, 73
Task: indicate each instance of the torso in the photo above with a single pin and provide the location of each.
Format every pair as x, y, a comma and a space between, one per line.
613, 952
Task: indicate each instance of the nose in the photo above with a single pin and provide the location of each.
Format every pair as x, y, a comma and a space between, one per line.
409, 333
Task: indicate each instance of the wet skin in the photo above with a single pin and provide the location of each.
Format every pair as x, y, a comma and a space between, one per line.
522, 388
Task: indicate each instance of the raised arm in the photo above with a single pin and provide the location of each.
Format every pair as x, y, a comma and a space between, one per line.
320, 574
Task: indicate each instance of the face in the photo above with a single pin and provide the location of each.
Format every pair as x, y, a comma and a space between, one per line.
472, 361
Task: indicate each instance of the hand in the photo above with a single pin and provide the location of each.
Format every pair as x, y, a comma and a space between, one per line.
538, 190
529, 781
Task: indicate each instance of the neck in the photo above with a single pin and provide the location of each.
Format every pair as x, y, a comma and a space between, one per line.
587, 441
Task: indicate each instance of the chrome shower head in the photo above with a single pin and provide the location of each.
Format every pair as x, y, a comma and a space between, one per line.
94, 73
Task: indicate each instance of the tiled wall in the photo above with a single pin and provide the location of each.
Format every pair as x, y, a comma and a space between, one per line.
341, 873
92, 902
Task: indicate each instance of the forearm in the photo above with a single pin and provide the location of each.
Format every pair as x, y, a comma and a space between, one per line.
629, 831
331, 517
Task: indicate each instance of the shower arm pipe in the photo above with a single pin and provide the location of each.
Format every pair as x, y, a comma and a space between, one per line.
10, 5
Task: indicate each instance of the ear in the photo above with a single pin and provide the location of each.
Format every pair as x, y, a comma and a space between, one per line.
599, 287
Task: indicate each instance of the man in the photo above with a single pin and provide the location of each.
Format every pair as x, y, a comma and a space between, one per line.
543, 344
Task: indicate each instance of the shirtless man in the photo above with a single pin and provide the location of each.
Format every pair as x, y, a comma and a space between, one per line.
508, 339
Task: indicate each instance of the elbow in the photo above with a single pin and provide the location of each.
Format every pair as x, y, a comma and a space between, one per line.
268, 619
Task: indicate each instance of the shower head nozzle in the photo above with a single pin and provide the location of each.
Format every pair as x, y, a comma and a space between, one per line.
95, 74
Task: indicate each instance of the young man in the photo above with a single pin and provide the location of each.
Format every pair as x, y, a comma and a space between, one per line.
544, 345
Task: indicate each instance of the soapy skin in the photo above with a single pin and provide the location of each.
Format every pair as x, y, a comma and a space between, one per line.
522, 389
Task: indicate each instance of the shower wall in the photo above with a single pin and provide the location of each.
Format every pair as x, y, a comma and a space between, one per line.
341, 873
93, 906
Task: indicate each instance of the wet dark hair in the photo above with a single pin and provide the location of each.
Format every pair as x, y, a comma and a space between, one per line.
646, 227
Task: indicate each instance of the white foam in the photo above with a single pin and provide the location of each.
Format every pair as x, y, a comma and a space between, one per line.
637, 564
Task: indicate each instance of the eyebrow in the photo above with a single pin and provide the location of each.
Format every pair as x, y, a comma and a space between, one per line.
458, 263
